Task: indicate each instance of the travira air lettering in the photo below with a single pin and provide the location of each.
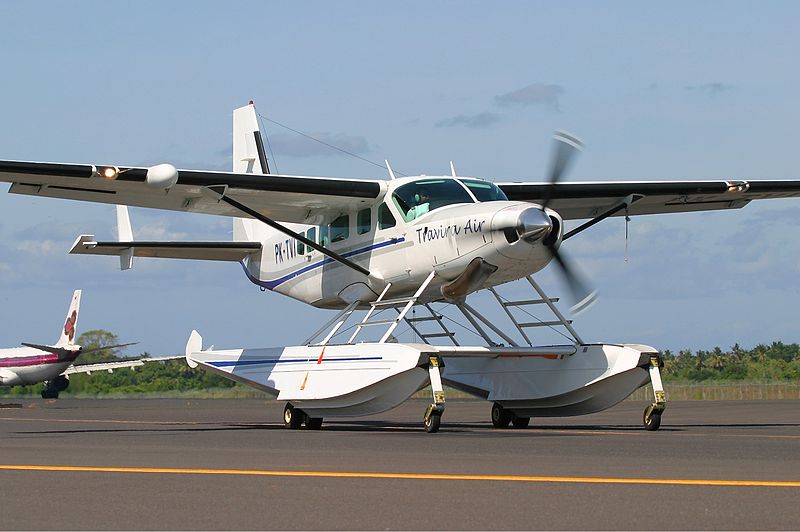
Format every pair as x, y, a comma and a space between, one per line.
429, 234
285, 250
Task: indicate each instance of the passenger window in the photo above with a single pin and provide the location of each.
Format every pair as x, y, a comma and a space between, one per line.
385, 217
324, 239
340, 228
364, 221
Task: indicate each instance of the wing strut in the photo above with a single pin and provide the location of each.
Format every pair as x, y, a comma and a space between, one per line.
219, 191
624, 204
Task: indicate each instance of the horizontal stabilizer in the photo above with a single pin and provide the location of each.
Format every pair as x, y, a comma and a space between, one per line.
104, 347
61, 351
224, 251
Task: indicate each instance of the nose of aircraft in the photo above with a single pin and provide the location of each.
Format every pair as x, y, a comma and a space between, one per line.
533, 225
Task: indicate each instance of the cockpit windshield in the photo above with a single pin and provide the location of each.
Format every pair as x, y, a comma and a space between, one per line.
417, 198
484, 190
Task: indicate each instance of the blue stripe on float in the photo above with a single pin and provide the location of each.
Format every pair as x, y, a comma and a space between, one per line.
270, 285
228, 363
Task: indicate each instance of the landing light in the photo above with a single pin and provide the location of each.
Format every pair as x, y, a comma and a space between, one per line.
110, 172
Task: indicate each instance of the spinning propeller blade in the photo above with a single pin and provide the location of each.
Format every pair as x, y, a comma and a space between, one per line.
582, 293
565, 150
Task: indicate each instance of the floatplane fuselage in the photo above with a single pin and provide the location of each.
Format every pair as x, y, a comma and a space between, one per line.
504, 238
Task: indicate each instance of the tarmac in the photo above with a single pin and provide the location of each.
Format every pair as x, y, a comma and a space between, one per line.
230, 464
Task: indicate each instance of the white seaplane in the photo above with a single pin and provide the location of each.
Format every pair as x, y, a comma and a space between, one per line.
390, 246
53, 364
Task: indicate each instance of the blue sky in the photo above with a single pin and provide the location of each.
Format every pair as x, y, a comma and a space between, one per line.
686, 91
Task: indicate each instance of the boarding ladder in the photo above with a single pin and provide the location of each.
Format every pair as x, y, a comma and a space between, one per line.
402, 303
523, 326
432, 317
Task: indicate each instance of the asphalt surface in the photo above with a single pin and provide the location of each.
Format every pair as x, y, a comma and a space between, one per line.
229, 464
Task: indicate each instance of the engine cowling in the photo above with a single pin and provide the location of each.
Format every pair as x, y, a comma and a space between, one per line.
9, 378
526, 231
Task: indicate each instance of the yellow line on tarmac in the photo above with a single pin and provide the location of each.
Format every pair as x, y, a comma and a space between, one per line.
406, 476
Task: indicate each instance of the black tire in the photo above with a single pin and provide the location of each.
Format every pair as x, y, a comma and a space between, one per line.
521, 422
292, 417
49, 393
60, 383
500, 416
653, 422
313, 423
432, 423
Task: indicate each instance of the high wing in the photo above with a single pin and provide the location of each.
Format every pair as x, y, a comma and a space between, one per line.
579, 200
111, 366
304, 199
281, 197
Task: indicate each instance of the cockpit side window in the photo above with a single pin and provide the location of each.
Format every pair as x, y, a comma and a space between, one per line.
484, 190
416, 198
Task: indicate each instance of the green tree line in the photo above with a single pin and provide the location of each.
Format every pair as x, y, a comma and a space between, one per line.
777, 362
774, 362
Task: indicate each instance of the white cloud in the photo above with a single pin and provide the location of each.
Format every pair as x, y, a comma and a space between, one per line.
546, 94
477, 121
42, 247
158, 230
712, 89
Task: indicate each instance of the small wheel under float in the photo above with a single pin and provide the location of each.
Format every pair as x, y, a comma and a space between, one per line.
313, 423
651, 418
500, 416
432, 422
519, 422
292, 417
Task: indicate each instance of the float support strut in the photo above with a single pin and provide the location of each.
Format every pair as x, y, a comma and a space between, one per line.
659, 396
437, 407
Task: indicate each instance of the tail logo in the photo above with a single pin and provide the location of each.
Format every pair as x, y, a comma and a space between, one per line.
69, 326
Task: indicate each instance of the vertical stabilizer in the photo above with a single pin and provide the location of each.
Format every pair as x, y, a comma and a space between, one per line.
68, 333
249, 157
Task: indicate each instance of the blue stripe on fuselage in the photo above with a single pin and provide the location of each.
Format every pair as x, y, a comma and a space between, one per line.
271, 285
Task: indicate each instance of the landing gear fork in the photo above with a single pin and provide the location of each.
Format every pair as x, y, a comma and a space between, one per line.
652, 414
433, 414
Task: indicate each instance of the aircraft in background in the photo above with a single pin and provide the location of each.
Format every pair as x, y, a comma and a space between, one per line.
52, 364
395, 246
